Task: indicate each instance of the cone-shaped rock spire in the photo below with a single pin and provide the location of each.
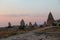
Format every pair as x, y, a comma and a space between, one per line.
50, 19
9, 25
22, 24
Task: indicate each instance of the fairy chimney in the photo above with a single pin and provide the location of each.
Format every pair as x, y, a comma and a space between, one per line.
50, 19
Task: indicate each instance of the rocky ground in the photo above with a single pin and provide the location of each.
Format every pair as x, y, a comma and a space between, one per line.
34, 35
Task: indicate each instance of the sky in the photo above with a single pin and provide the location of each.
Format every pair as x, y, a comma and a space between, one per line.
29, 10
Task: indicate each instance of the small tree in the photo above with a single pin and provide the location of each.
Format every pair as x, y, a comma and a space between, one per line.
54, 24
59, 24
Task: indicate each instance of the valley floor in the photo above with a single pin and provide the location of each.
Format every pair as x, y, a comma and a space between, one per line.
34, 35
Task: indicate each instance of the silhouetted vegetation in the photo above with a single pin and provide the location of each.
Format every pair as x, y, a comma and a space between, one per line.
54, 24
59, 24
41, 25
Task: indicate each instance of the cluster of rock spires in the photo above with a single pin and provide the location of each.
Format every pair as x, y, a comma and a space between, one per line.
50, 22
50, 19
16, 29
23, 25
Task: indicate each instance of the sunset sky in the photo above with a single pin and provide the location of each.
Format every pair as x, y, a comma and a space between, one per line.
29, 10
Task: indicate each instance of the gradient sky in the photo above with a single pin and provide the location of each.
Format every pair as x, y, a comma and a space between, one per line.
37, 10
